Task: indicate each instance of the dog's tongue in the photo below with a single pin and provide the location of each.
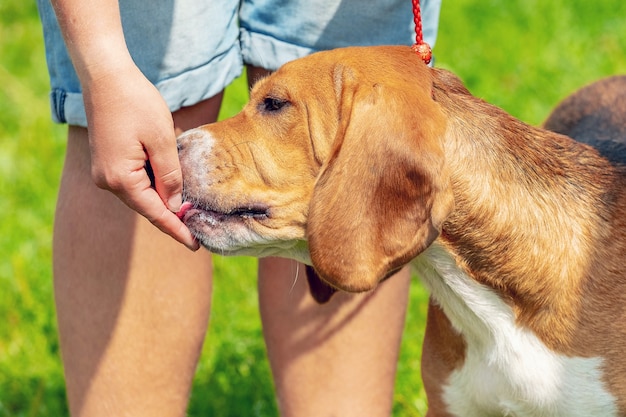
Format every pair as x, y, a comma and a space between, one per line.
184, 208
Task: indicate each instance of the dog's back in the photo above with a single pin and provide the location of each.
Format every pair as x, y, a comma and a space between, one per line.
595, 115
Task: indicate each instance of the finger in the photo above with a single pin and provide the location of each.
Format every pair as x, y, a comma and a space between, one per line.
168, 179
145, 201
165, 220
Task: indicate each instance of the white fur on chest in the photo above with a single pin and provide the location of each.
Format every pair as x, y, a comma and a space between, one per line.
507, 370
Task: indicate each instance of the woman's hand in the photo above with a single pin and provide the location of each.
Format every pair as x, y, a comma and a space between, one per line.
130, 124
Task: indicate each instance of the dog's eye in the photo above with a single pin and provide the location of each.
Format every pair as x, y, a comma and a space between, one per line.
272, 104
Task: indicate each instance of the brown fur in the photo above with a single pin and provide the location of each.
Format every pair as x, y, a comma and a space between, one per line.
540, 218
596, 115
375, 157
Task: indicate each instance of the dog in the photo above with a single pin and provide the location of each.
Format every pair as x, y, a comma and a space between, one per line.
361, 160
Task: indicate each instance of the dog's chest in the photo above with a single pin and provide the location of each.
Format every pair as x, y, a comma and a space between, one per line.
507, 370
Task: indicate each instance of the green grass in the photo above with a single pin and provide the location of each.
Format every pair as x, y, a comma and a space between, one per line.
523, 55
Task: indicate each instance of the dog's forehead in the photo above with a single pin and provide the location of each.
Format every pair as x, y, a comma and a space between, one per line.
378, 64
313, 69
320, 73
294, 78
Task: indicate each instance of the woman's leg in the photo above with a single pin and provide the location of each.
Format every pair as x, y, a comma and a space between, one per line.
132, 303
335, 359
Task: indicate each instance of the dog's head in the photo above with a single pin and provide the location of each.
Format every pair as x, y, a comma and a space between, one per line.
338, 155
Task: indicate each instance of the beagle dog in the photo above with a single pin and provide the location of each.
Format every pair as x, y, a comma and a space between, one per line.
359, 161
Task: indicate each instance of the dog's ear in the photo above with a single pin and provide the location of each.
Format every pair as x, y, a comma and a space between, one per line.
384, 191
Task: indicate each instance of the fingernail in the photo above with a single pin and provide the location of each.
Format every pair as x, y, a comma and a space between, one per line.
194, 246
175, 202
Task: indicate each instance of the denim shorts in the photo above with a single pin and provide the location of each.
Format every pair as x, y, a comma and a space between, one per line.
192, 49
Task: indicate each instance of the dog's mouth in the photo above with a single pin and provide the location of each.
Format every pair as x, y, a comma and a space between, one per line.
197, 217
189, 210
230, 231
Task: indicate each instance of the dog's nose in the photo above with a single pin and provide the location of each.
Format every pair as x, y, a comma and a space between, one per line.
194, 145
184, 139
196, 134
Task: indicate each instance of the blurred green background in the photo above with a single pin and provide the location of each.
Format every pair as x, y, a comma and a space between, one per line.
522, 55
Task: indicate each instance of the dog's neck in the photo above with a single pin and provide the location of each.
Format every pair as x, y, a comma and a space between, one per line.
531, 209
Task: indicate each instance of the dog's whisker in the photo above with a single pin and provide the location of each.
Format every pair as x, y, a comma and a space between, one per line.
295, 278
